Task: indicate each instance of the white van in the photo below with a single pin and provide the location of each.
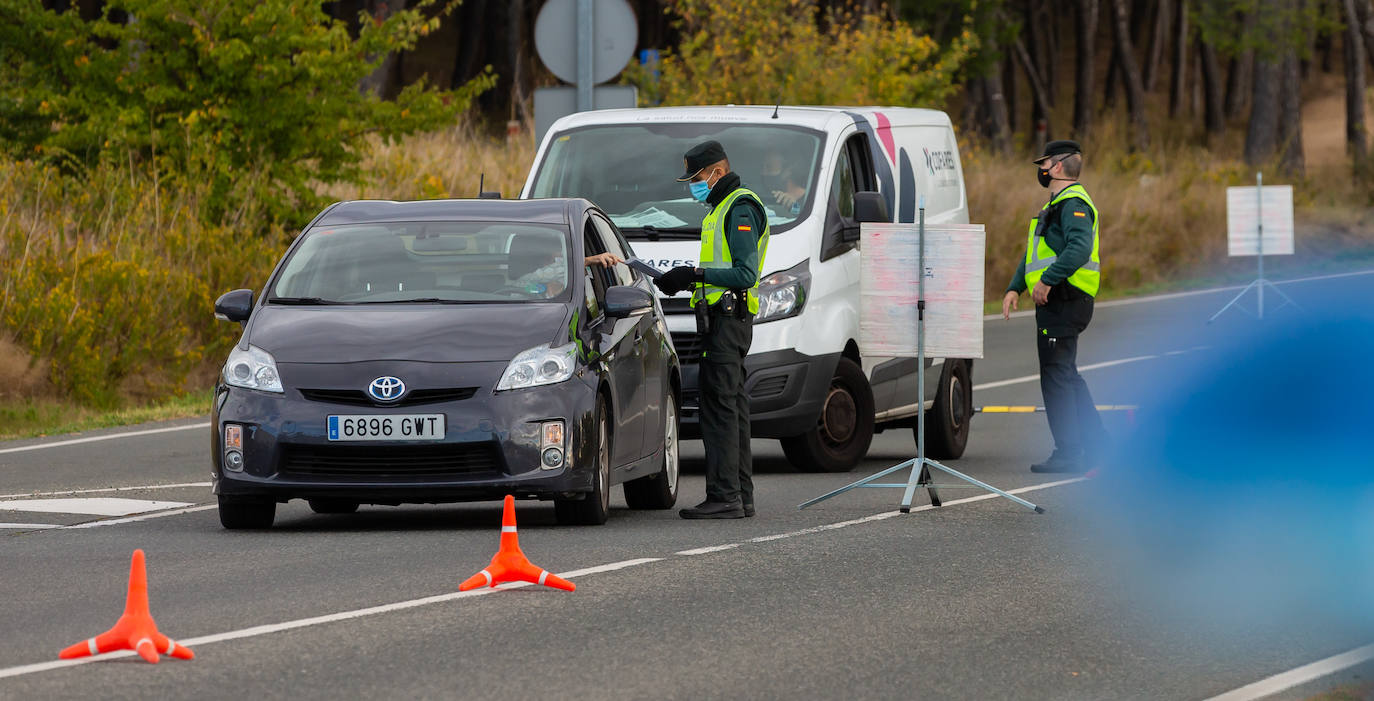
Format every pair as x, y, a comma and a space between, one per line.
808, 384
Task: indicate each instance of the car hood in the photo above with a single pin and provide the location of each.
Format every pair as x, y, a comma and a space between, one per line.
435, 333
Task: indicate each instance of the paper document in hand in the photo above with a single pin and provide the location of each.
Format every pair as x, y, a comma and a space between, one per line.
645, 268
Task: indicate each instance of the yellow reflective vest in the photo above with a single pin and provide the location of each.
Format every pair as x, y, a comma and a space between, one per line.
715, 250
1039, 256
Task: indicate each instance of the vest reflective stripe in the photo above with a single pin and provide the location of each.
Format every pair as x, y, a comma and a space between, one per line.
1040, 256
715, 251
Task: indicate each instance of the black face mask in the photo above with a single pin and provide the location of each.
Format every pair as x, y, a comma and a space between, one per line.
1044, 177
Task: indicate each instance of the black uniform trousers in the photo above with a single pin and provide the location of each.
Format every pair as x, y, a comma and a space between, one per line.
725, 409
1069, 407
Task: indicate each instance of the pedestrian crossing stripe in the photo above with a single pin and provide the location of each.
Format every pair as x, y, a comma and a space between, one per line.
93, 506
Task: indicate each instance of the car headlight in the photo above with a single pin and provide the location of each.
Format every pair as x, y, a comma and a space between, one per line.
541, 365
783, 294
254, 368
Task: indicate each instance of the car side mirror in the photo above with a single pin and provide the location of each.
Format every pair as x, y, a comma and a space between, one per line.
626, 300
235, 305
870, 207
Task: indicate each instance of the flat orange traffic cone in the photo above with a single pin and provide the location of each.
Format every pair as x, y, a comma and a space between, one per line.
510, 564
135, 630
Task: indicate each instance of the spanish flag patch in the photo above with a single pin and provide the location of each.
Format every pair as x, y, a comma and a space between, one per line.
745, 227
1080, 214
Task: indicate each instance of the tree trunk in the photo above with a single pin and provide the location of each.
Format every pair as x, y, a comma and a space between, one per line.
1130, 74
1238, 84
1261, 135
1036, 36
1037, 88
1214, 115
1084, 89
1290, 115
1366, 11
382, 80
1356, 141
1178, 80
1154, 56
995, 105
1009, 90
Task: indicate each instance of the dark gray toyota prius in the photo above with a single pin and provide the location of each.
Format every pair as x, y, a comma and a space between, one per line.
442, 351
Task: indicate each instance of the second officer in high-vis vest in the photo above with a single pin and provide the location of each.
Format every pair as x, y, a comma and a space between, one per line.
1062, 271
724, 284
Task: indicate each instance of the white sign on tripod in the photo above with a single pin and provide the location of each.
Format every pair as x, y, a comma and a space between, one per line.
1243, 214
888, 290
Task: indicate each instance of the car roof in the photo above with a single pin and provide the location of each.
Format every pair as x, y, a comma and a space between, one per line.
547, 211
815, 117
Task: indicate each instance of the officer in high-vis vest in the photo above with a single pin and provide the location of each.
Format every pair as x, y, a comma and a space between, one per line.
724, 285
1062, 270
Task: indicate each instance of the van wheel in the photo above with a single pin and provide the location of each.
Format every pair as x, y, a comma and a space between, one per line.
595, 507
236, 514
947, 425
842, 434
659, 491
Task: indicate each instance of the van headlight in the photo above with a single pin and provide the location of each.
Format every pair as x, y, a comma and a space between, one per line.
541, 365
783, 294
254, 368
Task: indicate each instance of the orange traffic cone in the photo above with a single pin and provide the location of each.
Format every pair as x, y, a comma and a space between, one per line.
510, 564
135, 630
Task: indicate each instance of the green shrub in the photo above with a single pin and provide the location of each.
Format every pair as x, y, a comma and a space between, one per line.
257, 101
780, 51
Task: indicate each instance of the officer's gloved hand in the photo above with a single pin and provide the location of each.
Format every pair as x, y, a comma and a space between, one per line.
677, 279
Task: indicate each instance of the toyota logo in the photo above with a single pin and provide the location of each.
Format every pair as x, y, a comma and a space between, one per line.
386, 389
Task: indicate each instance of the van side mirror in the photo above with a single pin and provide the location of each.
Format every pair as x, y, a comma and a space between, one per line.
627, 300
871, 207
235, 305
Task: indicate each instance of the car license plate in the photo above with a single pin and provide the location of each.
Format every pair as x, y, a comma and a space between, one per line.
387, 427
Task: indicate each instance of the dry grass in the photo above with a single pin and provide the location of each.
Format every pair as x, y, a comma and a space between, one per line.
1164, 212
443, 164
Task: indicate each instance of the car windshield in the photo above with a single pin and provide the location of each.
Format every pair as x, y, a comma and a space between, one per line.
630, 171
426, 262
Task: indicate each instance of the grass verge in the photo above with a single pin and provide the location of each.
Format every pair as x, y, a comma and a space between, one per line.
34, 418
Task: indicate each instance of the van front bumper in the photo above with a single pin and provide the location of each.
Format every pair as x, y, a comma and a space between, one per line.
786, 389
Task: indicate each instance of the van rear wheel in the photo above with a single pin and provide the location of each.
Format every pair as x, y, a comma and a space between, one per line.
947, 424
842, 434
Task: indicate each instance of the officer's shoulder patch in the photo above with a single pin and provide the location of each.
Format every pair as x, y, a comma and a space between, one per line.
745, 227
1080, 214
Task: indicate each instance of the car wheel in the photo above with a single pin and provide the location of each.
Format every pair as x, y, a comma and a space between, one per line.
236, 514
594, 508
659, 491
947, 425
332, 506
842, 434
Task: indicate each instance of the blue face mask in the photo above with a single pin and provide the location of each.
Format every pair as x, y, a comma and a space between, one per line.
700, 190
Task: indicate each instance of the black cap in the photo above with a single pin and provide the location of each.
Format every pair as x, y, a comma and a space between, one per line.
703, 154
1059, 148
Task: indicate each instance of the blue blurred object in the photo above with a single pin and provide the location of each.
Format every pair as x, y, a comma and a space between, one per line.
1247, 492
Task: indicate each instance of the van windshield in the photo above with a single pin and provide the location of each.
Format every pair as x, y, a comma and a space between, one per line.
630, 171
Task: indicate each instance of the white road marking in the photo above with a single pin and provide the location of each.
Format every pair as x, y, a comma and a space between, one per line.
452, 596
104, 490
707, 549
29, 526
1301, 675
144, 517
1094, 366
319, 620
1190, 293
106, 437
95, 506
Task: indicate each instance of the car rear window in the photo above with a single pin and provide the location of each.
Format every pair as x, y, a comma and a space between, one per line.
427, 262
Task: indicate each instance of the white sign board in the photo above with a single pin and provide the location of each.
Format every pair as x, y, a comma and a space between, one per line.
888, 290
1243, 218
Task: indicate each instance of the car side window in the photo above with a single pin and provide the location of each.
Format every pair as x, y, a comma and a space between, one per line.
600, 277
610, 239
842, 189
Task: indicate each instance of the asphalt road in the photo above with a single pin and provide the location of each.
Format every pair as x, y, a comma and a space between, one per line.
978, 599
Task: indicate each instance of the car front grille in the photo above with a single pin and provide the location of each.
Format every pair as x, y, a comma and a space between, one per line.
688, 345
389, 462
357, 397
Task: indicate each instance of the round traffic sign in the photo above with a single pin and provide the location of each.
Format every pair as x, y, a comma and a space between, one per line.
614, 35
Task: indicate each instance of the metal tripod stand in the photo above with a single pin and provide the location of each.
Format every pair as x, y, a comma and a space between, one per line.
1259, 283
919, 477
